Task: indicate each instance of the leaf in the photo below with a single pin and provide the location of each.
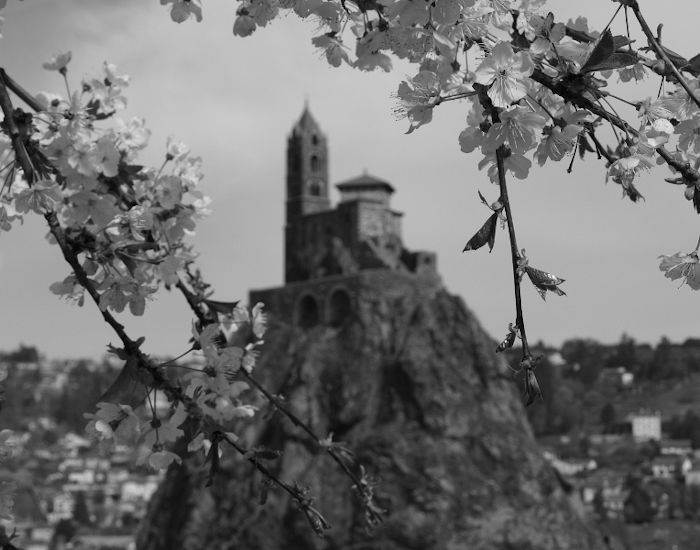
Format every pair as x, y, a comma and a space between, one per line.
213, 456
614, 61
678, 60
262, 498
603, 49
584, 146
532, 387
127, 388
509, 340
620, 40
225, 308
693, 65
487, 234
544, 281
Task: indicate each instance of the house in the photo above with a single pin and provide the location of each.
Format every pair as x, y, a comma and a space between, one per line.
604, 493
61, 508
669, 466
646, 426
82, 477
678, 447
572, 466
618, 377
139, 489
692, 476
74, 444
614, 504
609, 501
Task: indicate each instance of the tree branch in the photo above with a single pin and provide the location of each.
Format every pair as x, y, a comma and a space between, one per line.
560, 88
20, 92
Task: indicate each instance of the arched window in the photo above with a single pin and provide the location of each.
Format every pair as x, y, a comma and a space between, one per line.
314, 139
339, 307
314, 189
315, 163
307, 312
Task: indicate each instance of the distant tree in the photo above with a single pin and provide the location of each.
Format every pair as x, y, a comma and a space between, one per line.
608, 415
81, 513
599, 505
692, 428
690, 501
667, 362
63, 533
639, 505
588, 355
692, 343
23, 354
625, 354
80, 393
559, 414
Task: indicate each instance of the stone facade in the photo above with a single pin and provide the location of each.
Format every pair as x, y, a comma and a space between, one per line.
331, 251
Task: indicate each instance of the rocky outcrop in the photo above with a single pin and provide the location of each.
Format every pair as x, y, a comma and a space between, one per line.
411, 383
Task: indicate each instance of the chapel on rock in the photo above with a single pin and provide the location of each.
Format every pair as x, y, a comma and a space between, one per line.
333, 254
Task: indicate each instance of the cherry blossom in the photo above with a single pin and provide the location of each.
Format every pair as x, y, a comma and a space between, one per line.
417, 97
58, 62
505, 73
519, 128
682, 266
182, 10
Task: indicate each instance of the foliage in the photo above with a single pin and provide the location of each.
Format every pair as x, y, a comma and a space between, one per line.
533, 87
81, 514
685, 427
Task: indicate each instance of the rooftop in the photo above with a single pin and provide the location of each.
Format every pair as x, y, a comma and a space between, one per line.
365, 181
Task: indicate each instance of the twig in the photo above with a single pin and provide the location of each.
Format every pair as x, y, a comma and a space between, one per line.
660, 51
317, 521
15, 135
599, 146
514, 250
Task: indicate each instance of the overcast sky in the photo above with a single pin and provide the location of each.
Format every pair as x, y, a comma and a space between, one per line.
234, 101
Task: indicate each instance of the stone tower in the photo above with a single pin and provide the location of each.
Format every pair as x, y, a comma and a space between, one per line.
307, 178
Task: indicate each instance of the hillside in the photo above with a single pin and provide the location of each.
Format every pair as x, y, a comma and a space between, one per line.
412, 384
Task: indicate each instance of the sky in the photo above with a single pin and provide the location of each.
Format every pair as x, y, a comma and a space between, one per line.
234, 101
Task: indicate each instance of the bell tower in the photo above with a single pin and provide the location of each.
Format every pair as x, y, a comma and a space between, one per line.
307, 169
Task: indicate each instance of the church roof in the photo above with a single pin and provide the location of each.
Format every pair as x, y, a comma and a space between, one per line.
365, 181
306, 123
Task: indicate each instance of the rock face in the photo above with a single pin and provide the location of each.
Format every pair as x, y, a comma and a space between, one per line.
411, 383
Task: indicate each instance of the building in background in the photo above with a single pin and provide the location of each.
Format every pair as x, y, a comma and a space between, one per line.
333, 252
646, 426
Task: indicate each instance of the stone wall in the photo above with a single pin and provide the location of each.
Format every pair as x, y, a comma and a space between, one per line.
296, 302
